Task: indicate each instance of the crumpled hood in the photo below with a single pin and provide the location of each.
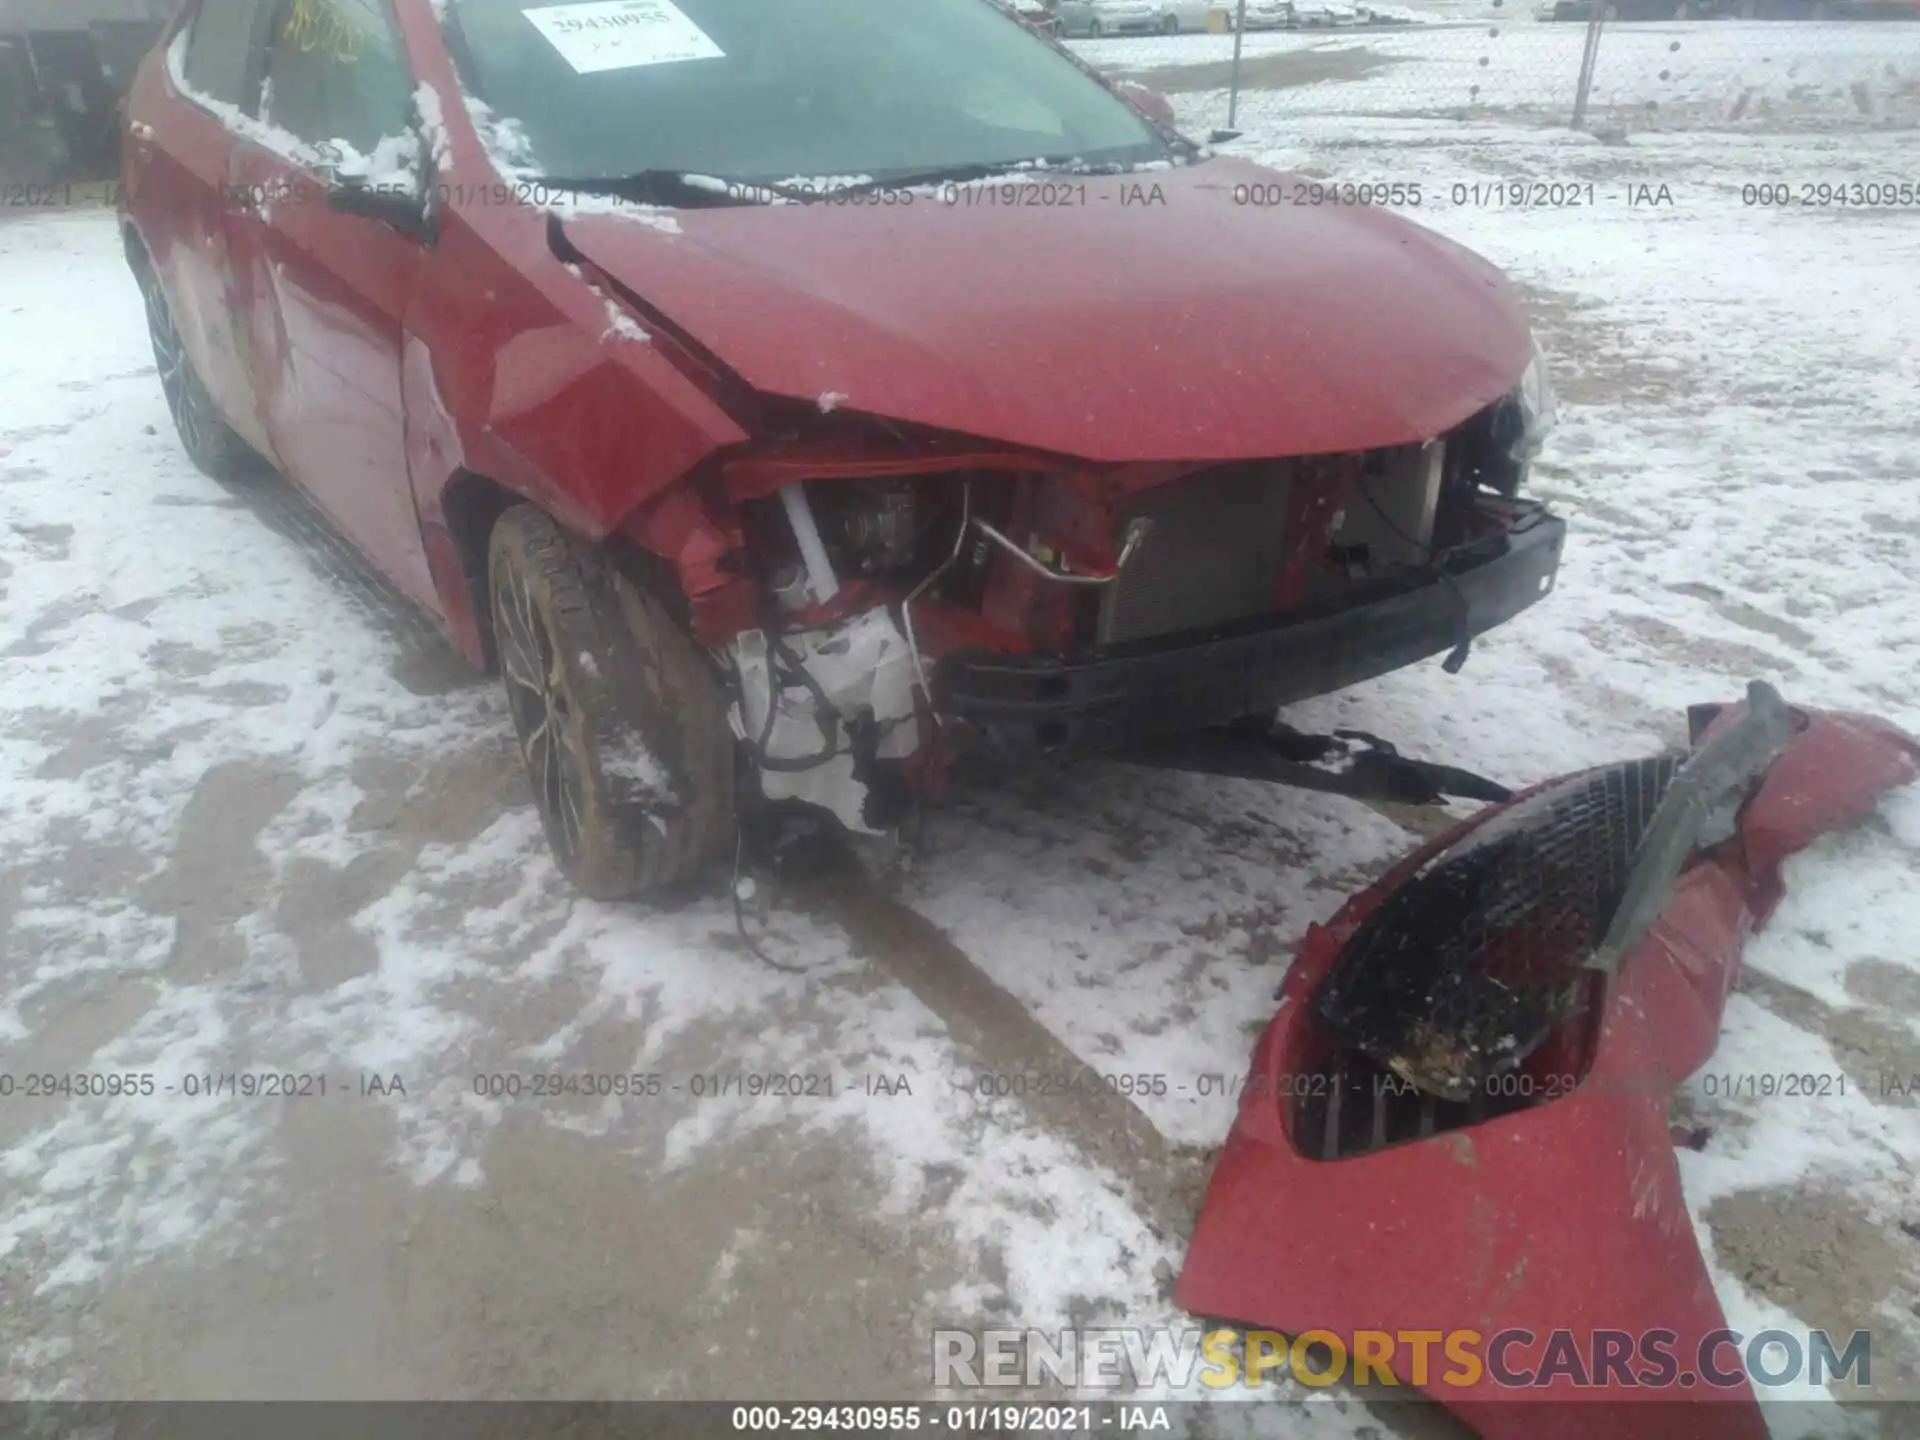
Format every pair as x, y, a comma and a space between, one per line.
1120, 324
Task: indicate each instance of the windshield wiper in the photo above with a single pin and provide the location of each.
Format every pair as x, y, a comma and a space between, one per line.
676, 188
963, 174
687, 188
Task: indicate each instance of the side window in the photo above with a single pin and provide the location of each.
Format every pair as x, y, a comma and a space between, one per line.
335, 73
221, 47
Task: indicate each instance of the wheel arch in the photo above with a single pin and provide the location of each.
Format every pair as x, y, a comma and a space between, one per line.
140, 257
472, 504
135, 245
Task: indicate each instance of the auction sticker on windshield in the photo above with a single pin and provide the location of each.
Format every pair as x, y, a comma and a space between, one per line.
622, 34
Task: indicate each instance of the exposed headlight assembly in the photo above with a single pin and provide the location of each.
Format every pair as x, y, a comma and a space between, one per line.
1497, 447
1533, 398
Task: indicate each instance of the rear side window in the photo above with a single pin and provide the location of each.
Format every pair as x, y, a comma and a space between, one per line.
219, 48
335, 72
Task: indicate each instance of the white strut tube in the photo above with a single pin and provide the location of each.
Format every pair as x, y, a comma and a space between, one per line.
813, 554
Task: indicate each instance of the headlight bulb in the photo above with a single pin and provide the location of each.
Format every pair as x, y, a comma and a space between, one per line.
1539, 410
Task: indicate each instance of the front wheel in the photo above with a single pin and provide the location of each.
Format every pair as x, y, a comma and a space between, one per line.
619, 716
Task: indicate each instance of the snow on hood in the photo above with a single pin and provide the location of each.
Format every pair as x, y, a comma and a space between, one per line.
1144, 317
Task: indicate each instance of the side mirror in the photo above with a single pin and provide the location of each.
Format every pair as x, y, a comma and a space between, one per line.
405, 205
1148, 101
391, 203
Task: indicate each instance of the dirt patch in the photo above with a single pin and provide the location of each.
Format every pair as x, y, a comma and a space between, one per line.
1282, 71
73, 1016
1606, 699
990, 1023
1700, 652
217, 875
1749, 617
402, 811
1875, 1047
1597, 363
48, 542
578, 1270
180, 660
1902, 525
75, 1019
206, 502
1893, 989
430, 666
38, 638
89, 741
1824, 1259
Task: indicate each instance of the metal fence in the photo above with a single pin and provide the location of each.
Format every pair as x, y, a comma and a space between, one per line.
1706, 63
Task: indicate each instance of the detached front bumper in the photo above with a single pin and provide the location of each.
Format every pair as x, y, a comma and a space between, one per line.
1115, 697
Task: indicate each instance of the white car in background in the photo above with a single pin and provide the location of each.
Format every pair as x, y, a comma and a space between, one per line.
1120, 17
1144, 17
1314, 14
1178, 15
1262, 14
1036, 15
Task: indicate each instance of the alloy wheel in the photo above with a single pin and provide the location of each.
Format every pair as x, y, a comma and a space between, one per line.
170, 359
545, 712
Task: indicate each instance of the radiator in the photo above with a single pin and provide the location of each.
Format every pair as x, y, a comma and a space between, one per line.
1213, 553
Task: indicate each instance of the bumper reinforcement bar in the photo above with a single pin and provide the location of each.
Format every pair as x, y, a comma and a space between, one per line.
1147, 691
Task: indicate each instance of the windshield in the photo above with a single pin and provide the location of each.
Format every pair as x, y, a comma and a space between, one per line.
778, 89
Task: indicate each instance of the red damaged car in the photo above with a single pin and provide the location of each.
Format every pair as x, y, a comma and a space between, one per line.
785, 396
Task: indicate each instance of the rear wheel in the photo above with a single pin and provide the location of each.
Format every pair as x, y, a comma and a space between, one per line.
1095, 29
1171, 25
209, 441
619, 716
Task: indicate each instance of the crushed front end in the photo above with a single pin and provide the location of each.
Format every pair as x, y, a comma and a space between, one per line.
910, 597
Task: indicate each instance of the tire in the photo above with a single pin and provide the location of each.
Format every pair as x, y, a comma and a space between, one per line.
209, 441
620, 718
1170, 25
1095, 29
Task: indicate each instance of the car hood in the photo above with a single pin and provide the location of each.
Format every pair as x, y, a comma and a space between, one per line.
1154, 316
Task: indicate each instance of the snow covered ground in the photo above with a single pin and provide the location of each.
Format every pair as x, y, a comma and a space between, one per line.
252, 822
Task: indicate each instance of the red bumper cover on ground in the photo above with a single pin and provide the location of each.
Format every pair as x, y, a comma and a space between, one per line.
1566, 1215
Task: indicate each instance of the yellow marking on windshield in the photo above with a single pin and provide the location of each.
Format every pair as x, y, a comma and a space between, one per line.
318, 25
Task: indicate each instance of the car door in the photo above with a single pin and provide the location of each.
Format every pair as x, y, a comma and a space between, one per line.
325, 292
177, 162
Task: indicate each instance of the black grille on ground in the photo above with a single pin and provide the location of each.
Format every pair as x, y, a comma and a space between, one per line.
1463, 971
1354, 1106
